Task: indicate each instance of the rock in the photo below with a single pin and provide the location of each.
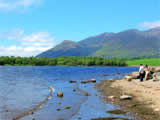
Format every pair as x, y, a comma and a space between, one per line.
125, 97
84, 82
67, 107
79, 118
134, 75
59, 103
105, 74
72, 81
87, 94
156, 76
111, 97
92, 80
156, 69
60, 94
128, 78
156, 109
74, 90
58, 109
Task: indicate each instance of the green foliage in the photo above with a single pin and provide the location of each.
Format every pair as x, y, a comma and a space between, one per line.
61, 61
148, 61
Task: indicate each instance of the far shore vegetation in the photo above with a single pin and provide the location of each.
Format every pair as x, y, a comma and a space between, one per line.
145, 61
76, 61
61, 61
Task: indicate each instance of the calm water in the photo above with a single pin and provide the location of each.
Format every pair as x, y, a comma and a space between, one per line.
22, 88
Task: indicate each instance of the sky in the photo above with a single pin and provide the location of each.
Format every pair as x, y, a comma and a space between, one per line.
29, 27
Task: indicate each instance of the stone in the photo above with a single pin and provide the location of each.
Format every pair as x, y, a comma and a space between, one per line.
156, 109
156, 76
134, 75
125, 97
128, 78
111, 97
60, 94
156, 69
84, 82
92, 80
105, 74
58, 109
87, 94
72, 81
74, 90
67, 107
59, 103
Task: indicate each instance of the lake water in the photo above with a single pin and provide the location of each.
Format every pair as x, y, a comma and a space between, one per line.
23, 88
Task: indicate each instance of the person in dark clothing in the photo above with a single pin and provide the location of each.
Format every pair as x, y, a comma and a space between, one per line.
141, 72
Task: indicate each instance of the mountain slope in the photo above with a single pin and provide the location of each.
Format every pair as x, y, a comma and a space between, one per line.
129, 43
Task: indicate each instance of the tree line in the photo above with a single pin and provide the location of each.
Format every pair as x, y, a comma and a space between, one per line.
61, 61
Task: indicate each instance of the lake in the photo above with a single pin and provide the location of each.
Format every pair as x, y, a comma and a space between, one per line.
24, 87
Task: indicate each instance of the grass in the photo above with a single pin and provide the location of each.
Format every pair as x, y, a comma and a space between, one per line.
145, 61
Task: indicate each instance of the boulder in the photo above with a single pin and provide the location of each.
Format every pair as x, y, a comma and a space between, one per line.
60, 94
155, 69
125, 97
156, 76
129, 78
134, 75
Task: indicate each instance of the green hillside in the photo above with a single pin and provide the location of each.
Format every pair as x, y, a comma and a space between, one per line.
125, 44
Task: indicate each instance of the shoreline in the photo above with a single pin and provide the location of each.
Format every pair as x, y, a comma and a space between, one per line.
144, 104
32, 110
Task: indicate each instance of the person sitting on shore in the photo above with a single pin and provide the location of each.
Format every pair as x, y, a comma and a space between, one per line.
141, 72
147, 70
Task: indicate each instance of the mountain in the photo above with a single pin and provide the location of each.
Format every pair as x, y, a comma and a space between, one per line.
128, 43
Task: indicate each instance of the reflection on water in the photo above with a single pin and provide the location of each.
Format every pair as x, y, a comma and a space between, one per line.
22, 88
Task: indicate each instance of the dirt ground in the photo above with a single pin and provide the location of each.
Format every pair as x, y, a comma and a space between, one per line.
146, 96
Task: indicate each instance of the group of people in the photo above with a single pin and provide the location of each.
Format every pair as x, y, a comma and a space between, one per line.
143, 72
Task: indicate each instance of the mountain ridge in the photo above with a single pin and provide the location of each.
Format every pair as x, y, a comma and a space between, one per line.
124, 44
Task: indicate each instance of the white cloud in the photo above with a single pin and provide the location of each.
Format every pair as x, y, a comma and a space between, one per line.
26, 45
150, 24
14, 4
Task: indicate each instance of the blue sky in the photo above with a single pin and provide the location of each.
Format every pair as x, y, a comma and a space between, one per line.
29, 27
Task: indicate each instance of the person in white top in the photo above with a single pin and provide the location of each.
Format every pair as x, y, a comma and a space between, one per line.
141, 72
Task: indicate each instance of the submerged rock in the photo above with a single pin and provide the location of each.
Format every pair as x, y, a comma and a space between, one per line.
72, 81
87, 94
58, 109
116, 112
105, 74
67, 107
